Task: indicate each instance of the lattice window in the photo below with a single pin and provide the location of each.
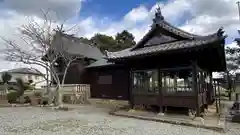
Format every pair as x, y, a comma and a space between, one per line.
202, 80
176, 81
145, 81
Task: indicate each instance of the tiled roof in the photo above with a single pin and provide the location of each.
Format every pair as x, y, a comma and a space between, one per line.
99, 63
75, 46
177, 39
237, 39
184, 44
175, 30
159, 22
25, 71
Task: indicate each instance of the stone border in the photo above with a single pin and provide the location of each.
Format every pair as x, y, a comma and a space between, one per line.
23, 105
15, 105
215, 128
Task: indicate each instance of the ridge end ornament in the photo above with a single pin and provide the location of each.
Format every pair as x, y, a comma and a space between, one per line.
158, 15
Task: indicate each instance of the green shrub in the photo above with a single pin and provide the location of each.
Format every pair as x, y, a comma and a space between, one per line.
44, 100
30, 81
27, 99
6, 77
66, 99
28, 87
20, 86
12, 97
37, 94
11, 87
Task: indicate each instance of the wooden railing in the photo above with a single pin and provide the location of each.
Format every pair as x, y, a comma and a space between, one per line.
78, 93
3, 97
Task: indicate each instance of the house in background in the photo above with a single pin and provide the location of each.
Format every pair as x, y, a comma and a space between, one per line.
73, 46
26, 74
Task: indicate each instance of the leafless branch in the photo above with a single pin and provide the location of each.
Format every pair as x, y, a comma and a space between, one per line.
37, 43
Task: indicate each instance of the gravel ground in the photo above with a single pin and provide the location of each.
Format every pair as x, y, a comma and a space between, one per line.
86, 121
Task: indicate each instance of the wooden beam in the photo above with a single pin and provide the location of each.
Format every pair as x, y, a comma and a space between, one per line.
176, 68
219, 97
130, 89
160, 91
195, 87
215, 92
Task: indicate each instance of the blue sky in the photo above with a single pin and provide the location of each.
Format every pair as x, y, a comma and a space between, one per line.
114, 9
109, 17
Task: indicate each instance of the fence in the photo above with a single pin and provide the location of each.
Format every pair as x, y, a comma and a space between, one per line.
74, 93
3, 97
71, 93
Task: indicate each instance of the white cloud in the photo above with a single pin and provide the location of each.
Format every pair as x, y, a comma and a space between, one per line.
175, 9
207, 18
233, 44
137, 14
217, 8
63, 8
202, 18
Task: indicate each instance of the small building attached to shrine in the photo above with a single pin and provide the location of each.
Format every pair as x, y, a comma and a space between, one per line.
167, 67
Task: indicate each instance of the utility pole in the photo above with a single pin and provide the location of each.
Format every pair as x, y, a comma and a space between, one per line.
237, 94
238, 3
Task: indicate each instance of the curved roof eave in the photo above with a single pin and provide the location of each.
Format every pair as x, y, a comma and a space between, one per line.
167, 26
164, 47
159, 21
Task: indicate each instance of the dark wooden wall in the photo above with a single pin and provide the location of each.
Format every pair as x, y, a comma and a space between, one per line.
101, 87
109, 83
76, 73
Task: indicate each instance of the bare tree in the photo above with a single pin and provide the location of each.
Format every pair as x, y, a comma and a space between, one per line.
39, 48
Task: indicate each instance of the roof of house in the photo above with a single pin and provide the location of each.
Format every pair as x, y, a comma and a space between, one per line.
32, 71
100, 63
237, 39
75, 46
168, 38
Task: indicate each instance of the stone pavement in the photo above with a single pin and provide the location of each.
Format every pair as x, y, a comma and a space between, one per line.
86, 120
218, 122
210, 123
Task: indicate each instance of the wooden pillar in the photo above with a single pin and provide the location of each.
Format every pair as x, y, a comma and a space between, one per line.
210, 91
201, 88
195, 87
211, 81
160, 91
216, 98
213, 86
219, 97
130, 89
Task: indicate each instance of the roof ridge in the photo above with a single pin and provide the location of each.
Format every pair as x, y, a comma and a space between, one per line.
23, 70
159, 21
77, 38
75, 46
182, 44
